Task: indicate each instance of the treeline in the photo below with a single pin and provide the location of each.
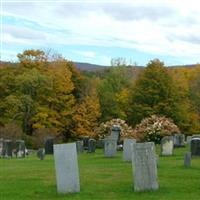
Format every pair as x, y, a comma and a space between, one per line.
46, 95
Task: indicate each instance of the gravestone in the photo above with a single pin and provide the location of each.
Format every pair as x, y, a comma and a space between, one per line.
85, 142
79, 146
128, 149
41, 154
20, 149
179, 140
91, 146
187, 159
115, 133
48, 145
188, 140
195, 146
7, 148
110, 147
66, 165
145, 167
100, 144
167, 146
1, 147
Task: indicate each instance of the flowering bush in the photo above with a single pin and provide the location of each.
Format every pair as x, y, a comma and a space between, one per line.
154, 128
105, 129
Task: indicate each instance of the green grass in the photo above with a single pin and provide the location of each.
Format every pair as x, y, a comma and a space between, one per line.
100, 178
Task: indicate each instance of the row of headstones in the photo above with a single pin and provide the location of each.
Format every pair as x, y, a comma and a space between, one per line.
142, 155
168, 144
10, 148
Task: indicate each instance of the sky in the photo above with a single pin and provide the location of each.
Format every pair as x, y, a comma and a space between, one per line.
96, 31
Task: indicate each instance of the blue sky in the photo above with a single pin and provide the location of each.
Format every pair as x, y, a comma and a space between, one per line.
97, 31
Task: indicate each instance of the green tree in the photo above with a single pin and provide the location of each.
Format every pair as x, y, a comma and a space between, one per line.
155, 93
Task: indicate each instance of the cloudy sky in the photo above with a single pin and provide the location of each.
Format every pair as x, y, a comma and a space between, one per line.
97, 31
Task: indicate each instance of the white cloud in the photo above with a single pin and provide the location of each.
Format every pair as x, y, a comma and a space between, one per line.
169, 28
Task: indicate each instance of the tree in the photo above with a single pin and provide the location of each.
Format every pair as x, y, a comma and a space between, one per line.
155, 93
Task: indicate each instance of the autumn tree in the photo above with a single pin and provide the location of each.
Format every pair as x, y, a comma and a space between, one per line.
155, 93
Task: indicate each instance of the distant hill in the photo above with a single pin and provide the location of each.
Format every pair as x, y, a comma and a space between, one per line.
89, 67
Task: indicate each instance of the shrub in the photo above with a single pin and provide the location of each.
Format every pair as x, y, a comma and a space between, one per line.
105, 129
154, 128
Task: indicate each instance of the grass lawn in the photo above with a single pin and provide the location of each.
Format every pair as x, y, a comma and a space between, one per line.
100, 178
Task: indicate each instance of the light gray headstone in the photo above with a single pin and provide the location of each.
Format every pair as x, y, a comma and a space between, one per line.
66, 164
187, 159
145, 167
79, 146
41, 153
20, 149
167, 146
1, 147
110, 147
128, 149
188, 140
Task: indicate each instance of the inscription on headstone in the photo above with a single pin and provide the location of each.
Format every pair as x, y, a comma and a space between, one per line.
66, 164
145, 167
110, 147
167, 146
128, 149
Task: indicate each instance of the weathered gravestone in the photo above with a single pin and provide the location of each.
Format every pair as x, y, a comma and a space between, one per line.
66, 164
179, 140
48, 145
188, 140
167, 146
115, 133
110, 147
7, 148
1, 147
187, 159
195, 146
85, 142
128, 149
41, 154
20, 149
79, 146
145, 167
91, 146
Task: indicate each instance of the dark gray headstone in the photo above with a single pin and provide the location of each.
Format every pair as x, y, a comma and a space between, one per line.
100, 144
110, 147
66, 165
167, 146
145, 167
195, 146
49, 145
20, 149
85, 142
79, 146
179, 140
128, 149
7, 148
115, 133
187, 159
91, 146
41, 154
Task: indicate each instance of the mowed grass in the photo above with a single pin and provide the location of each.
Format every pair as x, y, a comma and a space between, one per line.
100, 178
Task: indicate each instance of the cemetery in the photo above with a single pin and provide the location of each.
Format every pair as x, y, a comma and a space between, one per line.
71, 171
